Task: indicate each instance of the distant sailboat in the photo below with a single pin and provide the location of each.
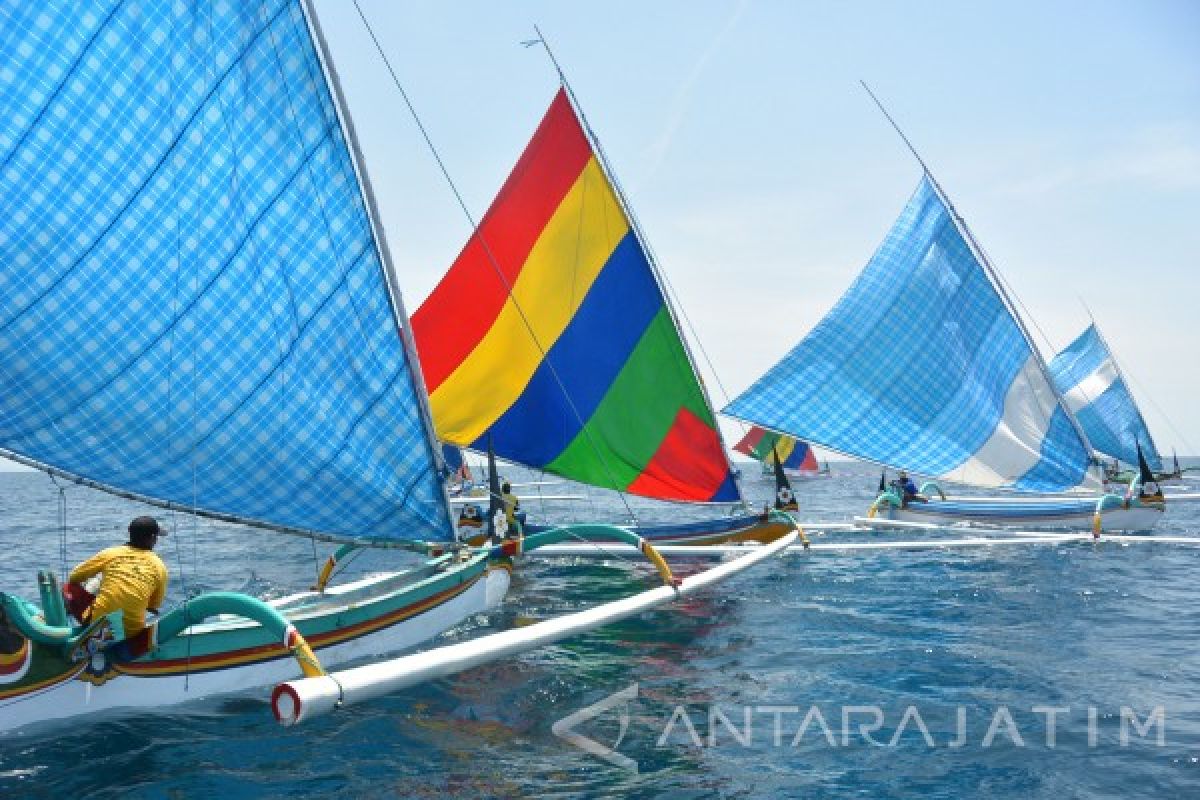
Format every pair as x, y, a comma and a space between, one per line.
923, 365
1090, 380
570, 360
796, 458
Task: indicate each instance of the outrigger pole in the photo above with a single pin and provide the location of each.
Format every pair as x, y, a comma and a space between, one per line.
298, 700
999, 539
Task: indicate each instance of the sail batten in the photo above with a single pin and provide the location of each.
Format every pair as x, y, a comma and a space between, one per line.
1094, 389
196, 307
922, 366
551, 337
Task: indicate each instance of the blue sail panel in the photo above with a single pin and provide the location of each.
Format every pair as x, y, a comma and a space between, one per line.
921, 366
194, 308
1088, 379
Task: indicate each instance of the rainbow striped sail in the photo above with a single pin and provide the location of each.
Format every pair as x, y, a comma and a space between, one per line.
793, 454
550, 333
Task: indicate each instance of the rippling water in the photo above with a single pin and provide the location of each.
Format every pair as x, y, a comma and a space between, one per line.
926, 649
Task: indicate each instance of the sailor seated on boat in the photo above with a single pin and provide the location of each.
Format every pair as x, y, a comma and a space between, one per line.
908, 490
512, 509
134, 581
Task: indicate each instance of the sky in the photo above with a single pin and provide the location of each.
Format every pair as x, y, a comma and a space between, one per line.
1066, 133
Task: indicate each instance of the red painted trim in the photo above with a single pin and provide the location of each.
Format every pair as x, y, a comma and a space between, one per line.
279, 690
268, 652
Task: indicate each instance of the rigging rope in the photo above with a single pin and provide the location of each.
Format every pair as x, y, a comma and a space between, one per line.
674, 307
490, 256
62, 528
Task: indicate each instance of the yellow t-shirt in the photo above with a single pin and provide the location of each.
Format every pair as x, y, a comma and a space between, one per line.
133, 581
511, 505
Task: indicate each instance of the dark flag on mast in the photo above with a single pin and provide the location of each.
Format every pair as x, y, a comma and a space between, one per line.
494, 502
1149, 484
785, 498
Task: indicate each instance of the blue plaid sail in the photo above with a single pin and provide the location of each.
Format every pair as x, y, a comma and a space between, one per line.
921, 366
192, 304
1088, 379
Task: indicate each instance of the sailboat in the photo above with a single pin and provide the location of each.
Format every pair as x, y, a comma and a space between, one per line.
200, 313
797, 458
571, 360
924, 365
1090, 380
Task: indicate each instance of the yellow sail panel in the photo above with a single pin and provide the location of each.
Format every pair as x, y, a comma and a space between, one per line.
564, 262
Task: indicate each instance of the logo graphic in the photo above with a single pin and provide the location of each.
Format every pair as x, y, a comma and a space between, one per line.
565, 728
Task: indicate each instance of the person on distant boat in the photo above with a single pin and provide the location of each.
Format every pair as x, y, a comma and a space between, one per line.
512, 508
134, 579
908, 489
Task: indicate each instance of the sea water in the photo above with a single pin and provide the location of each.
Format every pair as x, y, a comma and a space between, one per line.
1024, 671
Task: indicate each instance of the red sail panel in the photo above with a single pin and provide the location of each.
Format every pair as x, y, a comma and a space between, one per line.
471, 293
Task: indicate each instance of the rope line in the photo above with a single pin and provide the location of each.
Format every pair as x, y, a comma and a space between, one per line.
674, 307
490, 256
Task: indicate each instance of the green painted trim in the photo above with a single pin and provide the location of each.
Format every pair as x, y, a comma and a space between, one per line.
213, 604
588, 532
251, 641
327, 613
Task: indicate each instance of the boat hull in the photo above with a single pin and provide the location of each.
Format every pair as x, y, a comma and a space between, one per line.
1065, 514
722, 530
372, 617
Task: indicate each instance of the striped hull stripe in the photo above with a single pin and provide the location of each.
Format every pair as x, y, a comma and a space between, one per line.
274, 650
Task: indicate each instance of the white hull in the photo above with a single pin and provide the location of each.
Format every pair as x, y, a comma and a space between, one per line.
137, 692
1117, 519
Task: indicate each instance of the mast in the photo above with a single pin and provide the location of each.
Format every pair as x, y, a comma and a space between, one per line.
640, 235
990, 270
399, 314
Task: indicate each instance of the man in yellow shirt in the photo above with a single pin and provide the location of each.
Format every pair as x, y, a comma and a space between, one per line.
512, 509
134, 578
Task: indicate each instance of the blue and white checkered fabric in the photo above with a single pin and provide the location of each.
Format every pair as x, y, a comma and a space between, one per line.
1086, 373
921, 366
192, 307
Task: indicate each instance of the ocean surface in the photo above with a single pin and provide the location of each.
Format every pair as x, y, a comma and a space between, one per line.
1025, 671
